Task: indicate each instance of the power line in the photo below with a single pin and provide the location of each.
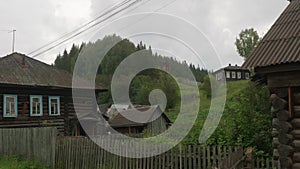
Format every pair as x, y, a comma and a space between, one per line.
82, 31
97, 23
156, 10
109, 10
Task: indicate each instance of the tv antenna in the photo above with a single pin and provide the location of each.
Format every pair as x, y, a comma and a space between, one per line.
14, 39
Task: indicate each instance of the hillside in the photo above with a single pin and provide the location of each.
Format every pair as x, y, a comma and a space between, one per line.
145, 81
246, 119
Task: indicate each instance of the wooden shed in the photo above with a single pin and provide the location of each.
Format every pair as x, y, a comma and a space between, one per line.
149, 119
276, 62
35, 94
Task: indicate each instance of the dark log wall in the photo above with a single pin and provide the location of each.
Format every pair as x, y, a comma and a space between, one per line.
64, 122
286, 126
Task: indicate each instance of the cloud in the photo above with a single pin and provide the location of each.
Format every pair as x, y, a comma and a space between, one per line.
39, 22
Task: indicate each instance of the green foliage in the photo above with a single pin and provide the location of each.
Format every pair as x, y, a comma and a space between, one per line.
209, 84
17, 163
143, 83
198, 73
248, 39
246, 120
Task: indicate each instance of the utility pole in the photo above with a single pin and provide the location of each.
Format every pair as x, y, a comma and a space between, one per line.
13, 40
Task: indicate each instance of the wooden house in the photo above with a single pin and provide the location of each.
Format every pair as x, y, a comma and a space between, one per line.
232, 73
276, 62
35, 94
148, 119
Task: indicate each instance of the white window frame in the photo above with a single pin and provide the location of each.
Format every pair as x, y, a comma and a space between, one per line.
247, 75
31, 105
6, 114
233, 74
239, 75
58, 105
228, 74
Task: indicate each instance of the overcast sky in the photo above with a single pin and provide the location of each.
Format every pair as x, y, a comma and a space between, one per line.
39, 22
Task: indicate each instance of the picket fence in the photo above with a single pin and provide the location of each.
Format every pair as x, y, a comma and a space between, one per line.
43, 145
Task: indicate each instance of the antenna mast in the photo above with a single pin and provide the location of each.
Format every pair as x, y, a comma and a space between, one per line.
14, 39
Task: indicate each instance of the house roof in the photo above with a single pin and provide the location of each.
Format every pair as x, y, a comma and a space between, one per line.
230, 67
146, 115
120, 106
19, 69
282, 42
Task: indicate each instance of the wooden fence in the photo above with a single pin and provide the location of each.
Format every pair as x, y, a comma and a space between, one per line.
31, 143
263, 163
42, 144
82, 153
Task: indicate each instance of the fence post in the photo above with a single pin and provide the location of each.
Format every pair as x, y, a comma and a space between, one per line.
249, 159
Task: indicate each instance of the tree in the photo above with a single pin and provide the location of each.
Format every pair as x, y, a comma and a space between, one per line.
246, 42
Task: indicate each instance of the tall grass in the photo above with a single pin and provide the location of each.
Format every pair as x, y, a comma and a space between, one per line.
18, 163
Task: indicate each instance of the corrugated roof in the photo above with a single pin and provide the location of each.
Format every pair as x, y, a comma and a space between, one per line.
145, 115
20, 69
282, 42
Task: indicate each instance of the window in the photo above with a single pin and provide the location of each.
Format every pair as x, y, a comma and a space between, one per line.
247, 75
227, 74
217, 76
233, 75
36, 105
54, 106
239, 75
10, 108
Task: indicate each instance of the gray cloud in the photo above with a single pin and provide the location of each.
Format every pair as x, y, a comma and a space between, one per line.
38, 22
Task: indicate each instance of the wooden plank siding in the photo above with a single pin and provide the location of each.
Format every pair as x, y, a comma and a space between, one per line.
61, 122
157, 126
30, 143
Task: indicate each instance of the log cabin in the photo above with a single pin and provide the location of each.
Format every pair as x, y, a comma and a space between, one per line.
149, 119
35, 94
232, 73
276, 62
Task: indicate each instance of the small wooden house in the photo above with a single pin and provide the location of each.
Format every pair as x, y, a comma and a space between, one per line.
148, 119
232, 73
276, 62
35, 94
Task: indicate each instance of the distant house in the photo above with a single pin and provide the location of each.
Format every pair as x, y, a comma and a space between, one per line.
276, 62
35, 94
148, 119
232, 73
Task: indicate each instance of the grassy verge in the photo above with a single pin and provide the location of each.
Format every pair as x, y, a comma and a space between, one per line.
17, 163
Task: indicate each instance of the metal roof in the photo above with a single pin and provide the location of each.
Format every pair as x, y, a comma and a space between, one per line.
19, 69
282, 42
144, 115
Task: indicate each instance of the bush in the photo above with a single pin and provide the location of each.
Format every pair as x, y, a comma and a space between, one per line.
246, 120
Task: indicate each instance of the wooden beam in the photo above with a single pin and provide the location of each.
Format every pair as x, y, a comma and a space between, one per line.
290, 91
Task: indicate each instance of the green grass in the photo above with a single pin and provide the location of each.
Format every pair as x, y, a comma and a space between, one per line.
17, 163
192, 138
